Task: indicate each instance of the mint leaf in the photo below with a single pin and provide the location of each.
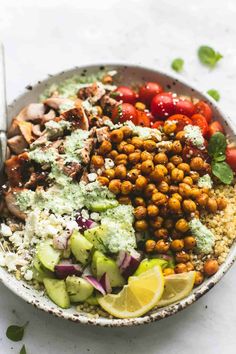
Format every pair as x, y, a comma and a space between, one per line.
217, 146
177, 64
15, 333
214, 94
23, 350
208, 56
222, 171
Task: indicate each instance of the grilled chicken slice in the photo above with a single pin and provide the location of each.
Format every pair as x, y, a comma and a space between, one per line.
102, 134
10, 199
56, 102
87, 149
32, 112
17, 144
77, 117
16, 169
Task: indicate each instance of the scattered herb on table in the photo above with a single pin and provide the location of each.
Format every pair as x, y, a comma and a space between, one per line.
23, 350
16, 333
216, 149
177, 64
208, 56
214, 94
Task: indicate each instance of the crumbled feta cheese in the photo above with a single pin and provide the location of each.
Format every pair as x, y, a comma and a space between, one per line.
5, 230
144, 132
17, 238
205, 182
28, 275
12, 260
92, 177
85, 214
109, 163
111, 125
204, 237
194, 134
95, 216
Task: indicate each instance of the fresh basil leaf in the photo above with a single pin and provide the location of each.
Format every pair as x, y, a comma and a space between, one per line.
23, 350
217, 146
15, 333
220, 158
177, 64
222, 171
214, 94
208, 56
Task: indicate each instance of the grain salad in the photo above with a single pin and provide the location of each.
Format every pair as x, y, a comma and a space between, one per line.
116, 199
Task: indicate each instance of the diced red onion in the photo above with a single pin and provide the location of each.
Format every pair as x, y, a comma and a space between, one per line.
120, 258
83, 223
129, 264
95, 283
60, 242
105, 282
63, 270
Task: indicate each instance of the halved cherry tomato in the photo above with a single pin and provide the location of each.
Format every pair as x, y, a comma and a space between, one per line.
181, 120
201, 122
126, 94
184, 107
215, 127
231, 157
162, 105
143, 119
203, 108
148, 91
123, 112
158, 124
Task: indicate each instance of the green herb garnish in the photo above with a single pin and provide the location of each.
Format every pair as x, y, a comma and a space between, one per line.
23, 350
214, 94
16, 333
114, 94
208, 56
177, 64
216, 149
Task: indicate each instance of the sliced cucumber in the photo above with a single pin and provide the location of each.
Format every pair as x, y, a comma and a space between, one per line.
147, 264
78, 289
96, 236
102, 205
80, 247
47, 255
92, 300
56, 291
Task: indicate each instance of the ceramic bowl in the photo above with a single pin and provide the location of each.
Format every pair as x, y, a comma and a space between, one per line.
127, 74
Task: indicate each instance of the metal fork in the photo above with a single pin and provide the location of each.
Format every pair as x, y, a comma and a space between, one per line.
3, 110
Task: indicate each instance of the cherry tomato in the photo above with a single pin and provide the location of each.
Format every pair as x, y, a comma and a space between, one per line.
162, 105
215, 127
231, 157
158, 124
201, 122
123, 112
182, 120
184, 107
148, 91
143, 119
203, 108
126, 94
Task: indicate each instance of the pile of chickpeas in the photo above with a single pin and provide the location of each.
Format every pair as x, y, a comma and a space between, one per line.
162, 187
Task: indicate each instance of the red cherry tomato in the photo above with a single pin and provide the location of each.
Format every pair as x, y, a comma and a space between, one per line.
123, 112
181, 119
184, 107
126, 94
162, 105
148, 91
203, 108
201, 122
158, 124
231, 157
215, 127
143, 119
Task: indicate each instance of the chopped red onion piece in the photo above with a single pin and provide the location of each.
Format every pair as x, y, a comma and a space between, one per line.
95, 283
63, 270
120, 258
129, 263
83, 223
60, 242
105, 282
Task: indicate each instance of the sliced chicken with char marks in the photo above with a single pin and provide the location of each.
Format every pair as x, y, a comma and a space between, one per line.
17, 144
103, 134
10, 199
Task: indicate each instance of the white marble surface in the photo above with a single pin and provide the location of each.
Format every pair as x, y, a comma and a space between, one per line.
47, 36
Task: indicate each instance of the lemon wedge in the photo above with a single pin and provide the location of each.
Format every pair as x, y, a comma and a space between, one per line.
177, 286
136, 298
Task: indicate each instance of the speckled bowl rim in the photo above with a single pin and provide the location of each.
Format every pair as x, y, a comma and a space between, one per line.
156, 314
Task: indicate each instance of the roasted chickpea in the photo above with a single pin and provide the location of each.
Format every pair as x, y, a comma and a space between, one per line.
109, 173
188, 180
185, 190
160, 158
159, 198
127, 131
163, 187
169, 127
116, 135
168, 271
189, 266
97, 161
150, 246
133, 174
177, 245
210, 267
170, 166
189, 206
182, 257
140, 212
124, 199
152, 210
105, 147
177, 175
139, 201
157, 222
202, 199
173, 189
104, 181
126, 187
169, 224
177, 196
121, 159
137, 142
120, 146
161, 233
182, 225
167, 179
180, 268
195, 192
162, 246
174, 205
115, 186
198, 278
141, 225
157, 175
212, 205
145, 155
176, 147
128, 149
221, 203
164, 211
149, 190
189, 242
176, 160
180, 136
162, 168
149, 145
196, 163
134, 157
147, 167
184, 167
113, 154
138, 166
140, 183
120, 172
194, 175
